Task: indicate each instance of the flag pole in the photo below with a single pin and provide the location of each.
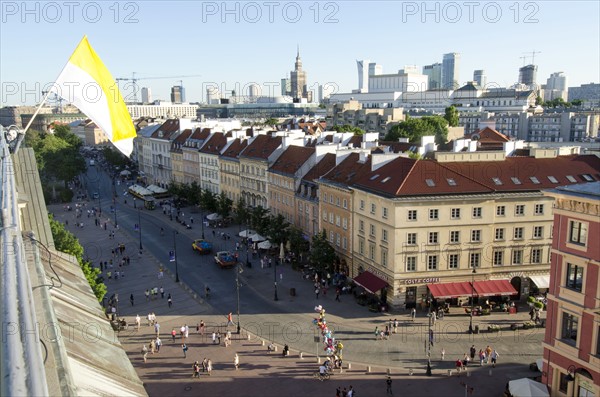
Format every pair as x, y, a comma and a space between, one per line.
37, 111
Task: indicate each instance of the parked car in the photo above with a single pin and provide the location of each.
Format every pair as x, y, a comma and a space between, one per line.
225, 259
202, 246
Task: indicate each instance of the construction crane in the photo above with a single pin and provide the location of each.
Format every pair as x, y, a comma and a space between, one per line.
55, 98
532, 56
134, 80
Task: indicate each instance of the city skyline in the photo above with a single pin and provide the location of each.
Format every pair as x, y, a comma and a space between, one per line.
255, 43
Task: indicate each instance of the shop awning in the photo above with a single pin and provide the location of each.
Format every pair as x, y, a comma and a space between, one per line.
370, 282
541, 281
450, 290
494, 288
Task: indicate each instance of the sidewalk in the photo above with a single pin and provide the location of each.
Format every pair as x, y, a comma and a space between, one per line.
168, 373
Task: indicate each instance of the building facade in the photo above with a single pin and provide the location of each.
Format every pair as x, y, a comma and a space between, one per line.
451, 70
255, 161
572, 341
230, 169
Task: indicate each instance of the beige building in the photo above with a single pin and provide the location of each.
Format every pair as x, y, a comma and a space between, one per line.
284, 180
94, 136
191, 155
371, 120
209, 162
230, 169
177, 155
255, 160
422, 223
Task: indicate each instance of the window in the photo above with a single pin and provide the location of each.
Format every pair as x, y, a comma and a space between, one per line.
345, 223
574, 277
384, 257
411, 263
517, 257
433, 214
331, 237
455, 213
411, 239
433, 237
373, 208
477, 212
475, 236
455, 236
519, 210
453, 261
384, 212
536, 255
362, 204
500, 210
361, 226
598, 341
412, 215
372, 251
432, 262
345, 203
571, 178
337, 239
498, 258
331, 218
371, 230
337, 220
337, 201
577, 232
324, 215
563, 385
384, 235
499, 234
451, 181
344, 243
474, 259
538, 231
570, 324
552, 179
515, 180
534, 180
361, 246
539, 209
518, 235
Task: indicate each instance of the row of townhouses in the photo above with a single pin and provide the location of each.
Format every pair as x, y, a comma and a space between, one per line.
405, 221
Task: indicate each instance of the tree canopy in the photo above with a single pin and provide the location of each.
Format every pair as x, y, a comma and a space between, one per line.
451, 116
322, 254
416, 128
348, 128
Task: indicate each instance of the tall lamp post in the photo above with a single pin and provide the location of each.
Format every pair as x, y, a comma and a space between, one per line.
238, 270
140, 228
202, 221
281, 256
175, 232
116, 224
134, 205
430, 335
472, 299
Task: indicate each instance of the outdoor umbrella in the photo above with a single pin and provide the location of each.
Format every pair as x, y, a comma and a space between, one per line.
526, 387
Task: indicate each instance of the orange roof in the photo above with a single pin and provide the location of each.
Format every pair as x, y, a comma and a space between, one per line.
262, 147
292, 159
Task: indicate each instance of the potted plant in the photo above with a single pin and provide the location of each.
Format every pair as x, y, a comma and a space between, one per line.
493, 328
513, 326
528, 325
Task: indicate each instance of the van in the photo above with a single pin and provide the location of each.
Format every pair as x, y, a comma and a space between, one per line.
92, 163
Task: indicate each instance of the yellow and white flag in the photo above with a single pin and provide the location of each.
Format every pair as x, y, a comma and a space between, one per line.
87, 84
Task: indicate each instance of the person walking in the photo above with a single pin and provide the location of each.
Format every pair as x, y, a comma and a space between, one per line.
413, 313
173, 334
158, 344
162, 292
209, 366
495, 356
157, 328
236, 361
472, 352
317, 290
131, 299
170, 300
196, 370
144, 353
337, 294
229, 319
204, 364
481, 357
184, 348
388, 383
202, 327
138, 321
214, 337
147, 294
488, 354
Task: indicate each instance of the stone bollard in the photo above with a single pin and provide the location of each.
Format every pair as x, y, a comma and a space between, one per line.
275, 349
468, 372
262, 342
301, 355
349, 366
248, 337
449, 372
389, 371
318, 360
195, 296
368, 369
410, 372
490, 372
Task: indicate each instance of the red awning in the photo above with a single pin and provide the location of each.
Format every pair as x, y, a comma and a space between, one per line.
370, 282
494, 287
450, 290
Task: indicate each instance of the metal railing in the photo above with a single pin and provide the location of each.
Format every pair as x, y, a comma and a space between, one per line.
22, 370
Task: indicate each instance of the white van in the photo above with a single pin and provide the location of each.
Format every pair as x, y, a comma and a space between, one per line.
92, 163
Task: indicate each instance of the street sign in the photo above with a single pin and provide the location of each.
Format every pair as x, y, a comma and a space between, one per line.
171, 256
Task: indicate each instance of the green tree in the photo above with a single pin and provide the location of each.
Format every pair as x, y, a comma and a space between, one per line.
224, 205
259, 219
65, 241
415, 128
297, 242
322, 254
63, 132
271, 121
539, 101
115, 157
451, 116
577, 102
242, 215
277, 229
193, 193
208, 201
348, 128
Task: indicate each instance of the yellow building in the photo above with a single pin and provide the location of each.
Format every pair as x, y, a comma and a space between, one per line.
422, 223
230, 169
255, 160
177, 155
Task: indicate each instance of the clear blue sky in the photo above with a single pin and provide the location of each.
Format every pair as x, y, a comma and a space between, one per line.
256, 41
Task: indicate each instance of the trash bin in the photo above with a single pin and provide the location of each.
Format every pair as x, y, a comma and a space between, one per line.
293, 291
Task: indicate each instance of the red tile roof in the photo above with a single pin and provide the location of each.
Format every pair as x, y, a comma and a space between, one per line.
325, 165
348, 171
408, 177
262, 147
235, 148
215, 144
167, 129
292, 159
488, 135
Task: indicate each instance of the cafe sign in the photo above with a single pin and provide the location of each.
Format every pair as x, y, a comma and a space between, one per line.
426, 280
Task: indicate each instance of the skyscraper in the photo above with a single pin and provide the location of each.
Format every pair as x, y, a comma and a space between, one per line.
556, 87
480, 78
177, 94
434, 75
146, 95
363, 75
298, 81
528, 75
451, 70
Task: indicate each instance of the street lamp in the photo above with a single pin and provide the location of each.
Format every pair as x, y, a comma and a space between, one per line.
472, 299
116, 224
140, 228
202, 221
134, 206
175, 232
429, 336
281, 256
238, 270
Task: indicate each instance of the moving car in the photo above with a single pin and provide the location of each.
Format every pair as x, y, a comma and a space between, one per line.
202, 246
225, 259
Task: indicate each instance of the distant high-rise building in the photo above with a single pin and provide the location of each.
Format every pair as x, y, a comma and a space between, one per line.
286, 86
177, 94
146, 95
528, 75
363, 75
588, 93
556, 87
434, 75
375, 69
451, 70
298, 81
480, 78
253, 90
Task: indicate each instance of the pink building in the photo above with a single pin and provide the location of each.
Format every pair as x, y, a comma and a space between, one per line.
572, 342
